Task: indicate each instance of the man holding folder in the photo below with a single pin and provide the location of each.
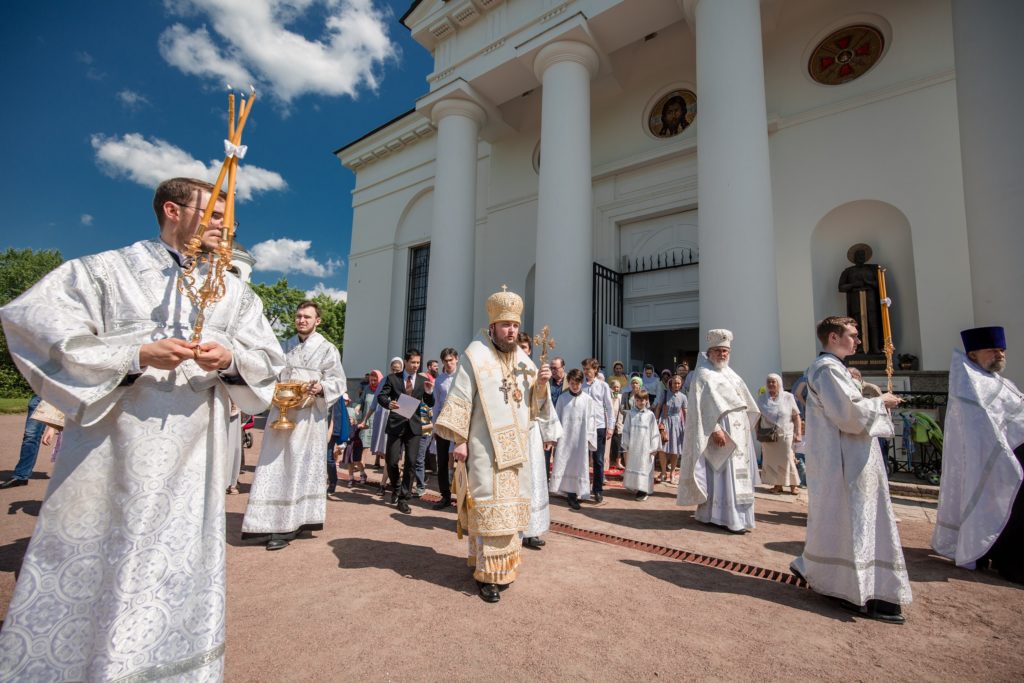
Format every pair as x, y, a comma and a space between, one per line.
402, 393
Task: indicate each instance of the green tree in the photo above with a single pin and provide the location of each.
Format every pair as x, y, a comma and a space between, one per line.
280, 301
19, 270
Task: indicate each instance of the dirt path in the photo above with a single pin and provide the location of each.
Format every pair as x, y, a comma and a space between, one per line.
382, 596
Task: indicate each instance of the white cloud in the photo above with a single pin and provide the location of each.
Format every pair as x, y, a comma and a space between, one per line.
149, 162
252, 43
132, 99
86, 219
329, 292
290, 256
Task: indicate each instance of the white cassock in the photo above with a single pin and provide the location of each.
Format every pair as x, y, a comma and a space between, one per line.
720, 480
124, 576
570, 472
853, 548
542, 430
981, 476
289, 490
641, 440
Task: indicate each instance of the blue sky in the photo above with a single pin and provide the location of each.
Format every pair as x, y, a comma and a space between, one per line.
103, 99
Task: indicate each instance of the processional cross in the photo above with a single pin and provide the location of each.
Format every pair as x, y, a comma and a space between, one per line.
540, 392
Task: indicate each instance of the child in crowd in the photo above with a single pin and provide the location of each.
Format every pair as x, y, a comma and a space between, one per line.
577, 412
673, 416
640, 441
352, 453
614, 454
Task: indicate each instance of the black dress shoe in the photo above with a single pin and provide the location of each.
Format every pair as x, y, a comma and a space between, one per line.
403, 507
489, 592
11, 483
442, 504
850, 607
534, 542
889, 612
394, 497
574, 504
276, 544
598, 498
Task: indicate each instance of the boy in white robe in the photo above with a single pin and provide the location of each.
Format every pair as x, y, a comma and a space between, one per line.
853, 550
641, 441
577, 412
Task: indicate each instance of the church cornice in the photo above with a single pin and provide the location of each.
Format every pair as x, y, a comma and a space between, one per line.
405, 130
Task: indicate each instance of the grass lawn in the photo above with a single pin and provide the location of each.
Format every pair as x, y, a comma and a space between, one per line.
10, 406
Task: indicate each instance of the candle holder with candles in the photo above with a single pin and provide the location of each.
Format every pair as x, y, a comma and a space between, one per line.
217, 261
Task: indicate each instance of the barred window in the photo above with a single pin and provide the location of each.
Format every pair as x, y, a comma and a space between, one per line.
416, 315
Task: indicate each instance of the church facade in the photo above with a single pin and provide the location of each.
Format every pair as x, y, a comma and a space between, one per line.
644, 170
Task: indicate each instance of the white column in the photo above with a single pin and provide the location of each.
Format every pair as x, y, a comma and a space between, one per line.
565, 249
986, 44
734, 193
450, 293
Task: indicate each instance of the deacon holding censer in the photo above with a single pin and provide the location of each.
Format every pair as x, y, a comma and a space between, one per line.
128, 553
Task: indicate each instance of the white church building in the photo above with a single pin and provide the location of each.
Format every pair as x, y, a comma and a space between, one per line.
644, 170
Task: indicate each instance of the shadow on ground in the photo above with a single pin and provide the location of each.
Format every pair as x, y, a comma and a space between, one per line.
711, 580
418, 562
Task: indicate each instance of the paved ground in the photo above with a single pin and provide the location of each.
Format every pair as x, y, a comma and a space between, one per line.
382, 596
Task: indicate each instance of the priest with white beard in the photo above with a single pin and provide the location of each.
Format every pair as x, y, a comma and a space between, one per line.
981, 505
718, 466
124, 578
853, 550
288, 492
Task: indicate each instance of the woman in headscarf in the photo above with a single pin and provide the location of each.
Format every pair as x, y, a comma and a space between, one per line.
379, 437
619, 375
778, 408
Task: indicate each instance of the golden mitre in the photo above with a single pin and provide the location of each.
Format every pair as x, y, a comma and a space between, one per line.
504, 306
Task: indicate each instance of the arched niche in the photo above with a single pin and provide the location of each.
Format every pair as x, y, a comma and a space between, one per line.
887, 231
414, 227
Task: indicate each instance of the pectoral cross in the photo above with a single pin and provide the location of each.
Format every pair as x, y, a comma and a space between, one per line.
505, 388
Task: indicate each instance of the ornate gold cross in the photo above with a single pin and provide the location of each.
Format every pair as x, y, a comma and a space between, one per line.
544, 342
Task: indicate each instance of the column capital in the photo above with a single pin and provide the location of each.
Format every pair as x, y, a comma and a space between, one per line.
453, 106
566, 51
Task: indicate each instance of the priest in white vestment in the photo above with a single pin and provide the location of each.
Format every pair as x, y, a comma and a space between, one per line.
853, 550
981, 505
545, 431
578, 414
718, 465
288, 493
641, 441
124, 576
487, 417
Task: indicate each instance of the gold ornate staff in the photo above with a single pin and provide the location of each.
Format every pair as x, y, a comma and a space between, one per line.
540, 391
219, 260
886, 327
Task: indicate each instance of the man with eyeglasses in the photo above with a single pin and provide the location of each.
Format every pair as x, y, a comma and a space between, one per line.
132, 525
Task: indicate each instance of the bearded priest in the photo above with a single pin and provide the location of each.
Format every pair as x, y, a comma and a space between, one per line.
718, 466
289, 489
487, 417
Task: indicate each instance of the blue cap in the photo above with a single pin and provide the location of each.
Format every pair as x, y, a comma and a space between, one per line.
978, 338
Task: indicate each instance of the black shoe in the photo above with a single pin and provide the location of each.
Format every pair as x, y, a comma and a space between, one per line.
534, 542
489, 592
394, 497
640, 495
442, 504
403, 507
598, 498
11, 483
276, 544
889, 612
331, 490
574, 504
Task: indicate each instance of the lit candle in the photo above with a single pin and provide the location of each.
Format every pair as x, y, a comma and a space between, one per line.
883, 293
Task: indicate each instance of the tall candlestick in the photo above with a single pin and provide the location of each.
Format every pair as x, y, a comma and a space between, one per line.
886, 326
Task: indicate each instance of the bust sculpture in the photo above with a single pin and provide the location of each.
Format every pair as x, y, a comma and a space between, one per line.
860, 284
